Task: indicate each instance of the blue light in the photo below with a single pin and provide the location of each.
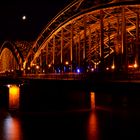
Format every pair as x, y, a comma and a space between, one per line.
78, 70
64, 68
59, 70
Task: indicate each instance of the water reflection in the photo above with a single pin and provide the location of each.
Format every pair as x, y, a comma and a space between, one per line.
93, 128
95, 125
12, 128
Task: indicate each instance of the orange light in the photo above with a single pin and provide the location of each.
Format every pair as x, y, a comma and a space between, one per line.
37, 67
93, 127
66, 62
49, 65
29, 68
135, 65
14, 92
92, 95
113, 67
130, 66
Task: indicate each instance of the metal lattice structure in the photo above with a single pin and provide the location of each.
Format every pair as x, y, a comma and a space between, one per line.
87, 35
12, 55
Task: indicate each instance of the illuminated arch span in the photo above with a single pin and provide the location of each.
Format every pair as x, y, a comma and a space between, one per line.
11, 54
87, 31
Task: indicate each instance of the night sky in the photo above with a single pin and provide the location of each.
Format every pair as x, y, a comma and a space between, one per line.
38, 14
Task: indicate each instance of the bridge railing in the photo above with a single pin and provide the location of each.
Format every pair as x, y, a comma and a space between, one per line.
97, 76
53, 76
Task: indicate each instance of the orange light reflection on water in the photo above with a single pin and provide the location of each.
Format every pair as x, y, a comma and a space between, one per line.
93, 128
12, 129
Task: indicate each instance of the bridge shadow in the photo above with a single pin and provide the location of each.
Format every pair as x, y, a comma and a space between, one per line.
4, 98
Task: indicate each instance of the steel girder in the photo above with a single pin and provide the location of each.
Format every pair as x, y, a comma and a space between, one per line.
91, 36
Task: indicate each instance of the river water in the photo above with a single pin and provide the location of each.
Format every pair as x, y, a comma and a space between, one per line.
97, 124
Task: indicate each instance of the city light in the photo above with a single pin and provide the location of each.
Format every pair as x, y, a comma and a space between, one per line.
24, 17
113, 67
28, 68
92, 69
78, 70
66, 62
107, 68
49, 65
135, 65
37, 67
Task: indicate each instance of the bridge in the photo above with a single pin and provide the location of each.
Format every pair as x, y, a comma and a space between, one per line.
85, 39
85, 36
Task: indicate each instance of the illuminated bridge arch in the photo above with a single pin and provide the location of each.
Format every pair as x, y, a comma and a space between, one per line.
10, 57
87, 34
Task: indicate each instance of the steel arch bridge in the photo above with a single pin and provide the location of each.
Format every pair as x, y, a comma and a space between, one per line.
10, 57
88, 35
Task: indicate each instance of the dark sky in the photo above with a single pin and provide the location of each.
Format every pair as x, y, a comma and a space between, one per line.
38, 12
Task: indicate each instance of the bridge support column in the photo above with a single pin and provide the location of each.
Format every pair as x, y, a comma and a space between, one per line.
84, 46
14, 96
41, 61
71, 49
53, 54
62, 44
79, 49
137, 41
118, 49
84, 57
90, 46
102, 40
124, 47
47, 58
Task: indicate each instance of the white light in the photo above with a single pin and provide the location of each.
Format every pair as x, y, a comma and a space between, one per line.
8, 86
37, 67
78, 70
107, 68
23, 17
29, 68
92, 69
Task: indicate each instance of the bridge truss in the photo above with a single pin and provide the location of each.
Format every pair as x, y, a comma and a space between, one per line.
12, 55
105, 36
87, 36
